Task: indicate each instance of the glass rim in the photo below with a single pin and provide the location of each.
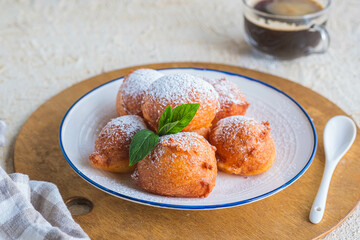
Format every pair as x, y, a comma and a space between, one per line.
306, 16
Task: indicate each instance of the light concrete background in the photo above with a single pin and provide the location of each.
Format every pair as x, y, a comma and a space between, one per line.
47, 46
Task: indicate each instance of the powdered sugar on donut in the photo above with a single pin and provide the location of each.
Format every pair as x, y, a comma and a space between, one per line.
182, 88
229, 93
138, 82
127, 125
181, 142
229, 127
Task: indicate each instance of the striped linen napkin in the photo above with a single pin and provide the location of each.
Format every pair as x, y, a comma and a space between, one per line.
34, 210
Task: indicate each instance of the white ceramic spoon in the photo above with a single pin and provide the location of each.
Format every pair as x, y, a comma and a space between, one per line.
339, 135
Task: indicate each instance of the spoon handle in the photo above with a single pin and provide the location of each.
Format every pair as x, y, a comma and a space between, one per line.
318, 207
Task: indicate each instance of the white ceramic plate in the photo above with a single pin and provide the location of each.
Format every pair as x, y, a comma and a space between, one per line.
291, 127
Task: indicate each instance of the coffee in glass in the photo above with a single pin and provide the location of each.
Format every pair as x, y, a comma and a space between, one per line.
286, 28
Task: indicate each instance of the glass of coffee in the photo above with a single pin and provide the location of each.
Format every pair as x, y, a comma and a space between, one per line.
287, 28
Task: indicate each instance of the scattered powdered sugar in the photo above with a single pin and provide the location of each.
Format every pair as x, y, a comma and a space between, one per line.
127, 125
285, 127
138, 82
182, 88
285, 130
229, 93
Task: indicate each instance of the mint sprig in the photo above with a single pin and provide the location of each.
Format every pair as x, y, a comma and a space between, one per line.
165, 117
168, 128
171, 121
141, 145
183, 114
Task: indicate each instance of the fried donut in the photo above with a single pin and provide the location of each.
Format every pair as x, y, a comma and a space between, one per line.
244, 146
231, 98
181, 165
131, 92
113, 143
177, 89
203, 132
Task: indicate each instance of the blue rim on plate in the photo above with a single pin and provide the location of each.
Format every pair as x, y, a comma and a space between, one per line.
203, 207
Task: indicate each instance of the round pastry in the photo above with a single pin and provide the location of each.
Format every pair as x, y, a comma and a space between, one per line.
244, 146
181, 165
231, 98
113, 143
203, 132
177, 89
131, 92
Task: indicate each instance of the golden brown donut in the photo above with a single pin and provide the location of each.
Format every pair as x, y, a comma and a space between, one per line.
177, 89
231, 98
112, 145
131, 92
203, 132
244, 146
181, 165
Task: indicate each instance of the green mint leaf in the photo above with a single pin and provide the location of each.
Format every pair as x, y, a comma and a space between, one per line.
165, 117
141, 145
167, 128
183, 114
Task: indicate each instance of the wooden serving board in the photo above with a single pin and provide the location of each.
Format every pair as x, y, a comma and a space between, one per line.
281, 216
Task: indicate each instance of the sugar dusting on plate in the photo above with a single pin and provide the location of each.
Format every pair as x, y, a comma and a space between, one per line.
287, 126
